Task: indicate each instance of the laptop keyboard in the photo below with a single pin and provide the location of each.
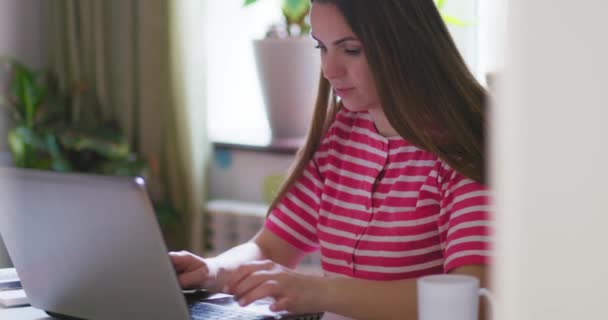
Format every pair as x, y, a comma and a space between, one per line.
205, 311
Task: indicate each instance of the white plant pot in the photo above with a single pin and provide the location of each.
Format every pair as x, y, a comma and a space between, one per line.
288, 71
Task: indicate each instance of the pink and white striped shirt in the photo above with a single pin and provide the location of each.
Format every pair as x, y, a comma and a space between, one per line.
382, 209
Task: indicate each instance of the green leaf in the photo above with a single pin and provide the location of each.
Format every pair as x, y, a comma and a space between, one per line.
27, 93
37, 91
109, 145
28, 136
455, 21
166, 214
27, 148
59, 162
18, 148
17, 90
295, 10
131, 167
248, 2
40, 163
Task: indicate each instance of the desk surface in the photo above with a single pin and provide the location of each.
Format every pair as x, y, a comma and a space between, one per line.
30, 313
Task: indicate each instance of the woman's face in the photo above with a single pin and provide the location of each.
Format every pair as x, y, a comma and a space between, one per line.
342, 59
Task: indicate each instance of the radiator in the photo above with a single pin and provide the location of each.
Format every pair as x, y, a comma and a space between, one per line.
235, 222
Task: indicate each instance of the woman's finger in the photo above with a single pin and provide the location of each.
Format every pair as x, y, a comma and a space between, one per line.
180, 260
281, 304
265, 289
249, 283
244, 271
193, 279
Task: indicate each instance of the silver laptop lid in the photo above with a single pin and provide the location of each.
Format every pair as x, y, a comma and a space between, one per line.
88, 246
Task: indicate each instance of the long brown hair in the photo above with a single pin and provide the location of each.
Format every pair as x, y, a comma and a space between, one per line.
425, 88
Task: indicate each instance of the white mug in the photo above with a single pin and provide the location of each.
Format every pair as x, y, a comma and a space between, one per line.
449, 297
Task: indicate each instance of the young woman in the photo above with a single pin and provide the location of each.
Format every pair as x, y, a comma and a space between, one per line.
390, 184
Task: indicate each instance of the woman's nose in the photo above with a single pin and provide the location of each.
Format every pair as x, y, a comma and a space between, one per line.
332, 68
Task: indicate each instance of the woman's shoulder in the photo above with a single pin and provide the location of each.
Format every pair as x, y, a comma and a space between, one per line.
447, 176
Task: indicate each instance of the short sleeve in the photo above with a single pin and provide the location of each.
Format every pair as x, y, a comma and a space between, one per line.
295, 217
464, 220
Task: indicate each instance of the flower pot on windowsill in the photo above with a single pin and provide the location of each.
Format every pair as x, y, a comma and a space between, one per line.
288, 71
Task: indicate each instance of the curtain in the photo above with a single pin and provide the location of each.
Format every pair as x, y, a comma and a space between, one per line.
188, 71
126, 58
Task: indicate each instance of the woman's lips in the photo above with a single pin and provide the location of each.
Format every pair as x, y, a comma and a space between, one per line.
341, 92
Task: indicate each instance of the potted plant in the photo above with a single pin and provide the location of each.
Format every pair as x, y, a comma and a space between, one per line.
288, 96
48, 135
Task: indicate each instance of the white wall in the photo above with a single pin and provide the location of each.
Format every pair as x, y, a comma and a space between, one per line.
21, 37
551, 163
240, 175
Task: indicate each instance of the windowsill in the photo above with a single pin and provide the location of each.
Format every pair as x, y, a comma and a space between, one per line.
282, 146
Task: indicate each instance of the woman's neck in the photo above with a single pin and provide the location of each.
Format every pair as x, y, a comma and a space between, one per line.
381, 122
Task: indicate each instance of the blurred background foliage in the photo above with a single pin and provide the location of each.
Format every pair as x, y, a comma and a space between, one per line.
47, 132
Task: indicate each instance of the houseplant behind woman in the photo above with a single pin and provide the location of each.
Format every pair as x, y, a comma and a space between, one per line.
288, 72
390, 184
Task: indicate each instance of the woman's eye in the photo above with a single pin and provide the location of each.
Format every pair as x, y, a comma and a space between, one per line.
352, 52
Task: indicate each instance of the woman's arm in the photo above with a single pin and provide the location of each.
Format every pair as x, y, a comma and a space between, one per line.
377, 300
355, 298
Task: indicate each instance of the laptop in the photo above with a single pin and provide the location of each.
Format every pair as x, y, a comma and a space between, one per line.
89, 247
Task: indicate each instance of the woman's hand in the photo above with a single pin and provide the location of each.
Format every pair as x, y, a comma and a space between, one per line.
193, 272
293, 292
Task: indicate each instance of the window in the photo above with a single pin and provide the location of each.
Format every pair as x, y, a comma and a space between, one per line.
465, 37
235, 106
